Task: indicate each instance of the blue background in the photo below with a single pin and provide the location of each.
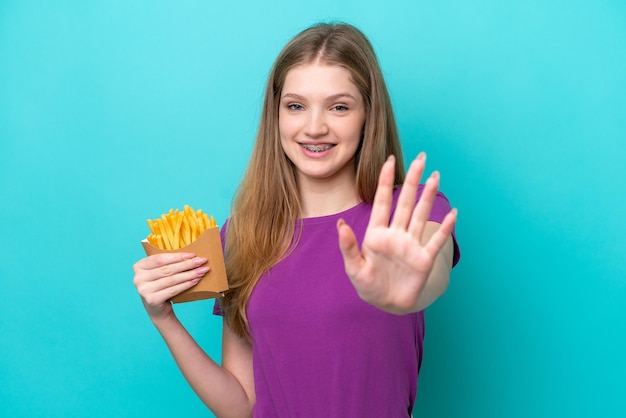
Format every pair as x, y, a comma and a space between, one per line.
112, 112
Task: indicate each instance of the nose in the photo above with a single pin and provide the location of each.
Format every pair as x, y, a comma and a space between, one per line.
316, 124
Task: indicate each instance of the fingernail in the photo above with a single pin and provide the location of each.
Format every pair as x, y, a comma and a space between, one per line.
421, 156
188, 256
202, 271
200, 261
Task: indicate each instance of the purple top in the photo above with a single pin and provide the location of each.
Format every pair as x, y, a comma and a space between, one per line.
318, 349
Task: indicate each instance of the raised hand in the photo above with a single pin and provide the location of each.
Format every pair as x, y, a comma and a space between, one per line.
391, 269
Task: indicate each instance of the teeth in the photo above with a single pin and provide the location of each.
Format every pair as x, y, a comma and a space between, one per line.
317, 148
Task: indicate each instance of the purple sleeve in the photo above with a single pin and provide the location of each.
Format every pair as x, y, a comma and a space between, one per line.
217, 309
440, 209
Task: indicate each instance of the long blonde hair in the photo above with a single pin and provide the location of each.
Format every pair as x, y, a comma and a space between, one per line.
265, 209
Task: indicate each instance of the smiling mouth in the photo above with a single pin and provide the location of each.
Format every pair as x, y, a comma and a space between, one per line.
317, 148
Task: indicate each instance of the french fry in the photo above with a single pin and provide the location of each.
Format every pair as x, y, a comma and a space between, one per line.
160, 241
167, 232
185, 235
177, 229
178, 216
152, 239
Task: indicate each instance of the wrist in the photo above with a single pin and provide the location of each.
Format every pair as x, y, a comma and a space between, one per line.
160, 315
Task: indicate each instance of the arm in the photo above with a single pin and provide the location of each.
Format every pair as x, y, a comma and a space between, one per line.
227, 390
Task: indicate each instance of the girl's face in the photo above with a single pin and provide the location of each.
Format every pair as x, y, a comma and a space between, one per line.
321, 119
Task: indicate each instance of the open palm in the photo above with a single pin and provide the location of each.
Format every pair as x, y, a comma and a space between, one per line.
396, 257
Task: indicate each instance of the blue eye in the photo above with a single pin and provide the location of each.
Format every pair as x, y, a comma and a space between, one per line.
294, 106
340, 108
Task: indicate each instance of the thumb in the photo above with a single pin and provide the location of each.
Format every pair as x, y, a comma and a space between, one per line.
352, 257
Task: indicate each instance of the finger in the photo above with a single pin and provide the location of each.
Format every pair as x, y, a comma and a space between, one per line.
349, 247
381, 207
438, 239
143, 275
163, 295
149, 288
173, 271
406, 201
159, 260
421, 212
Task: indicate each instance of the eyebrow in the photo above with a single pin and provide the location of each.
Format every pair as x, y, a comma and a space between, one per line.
329, 98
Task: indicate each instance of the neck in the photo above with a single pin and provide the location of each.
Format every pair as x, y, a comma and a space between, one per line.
322, 198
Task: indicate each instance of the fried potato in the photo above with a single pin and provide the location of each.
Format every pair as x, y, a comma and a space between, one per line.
177, 229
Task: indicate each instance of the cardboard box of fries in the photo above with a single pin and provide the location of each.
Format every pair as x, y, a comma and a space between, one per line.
194, 232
